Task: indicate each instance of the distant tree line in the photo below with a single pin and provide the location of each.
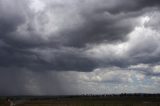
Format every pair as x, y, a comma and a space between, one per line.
125, 94
79, 96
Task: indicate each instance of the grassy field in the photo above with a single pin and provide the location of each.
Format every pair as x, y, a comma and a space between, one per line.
89, 101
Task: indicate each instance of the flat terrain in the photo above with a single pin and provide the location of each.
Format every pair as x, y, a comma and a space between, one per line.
87, 101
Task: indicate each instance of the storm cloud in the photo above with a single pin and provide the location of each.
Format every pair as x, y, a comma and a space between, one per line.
58, 36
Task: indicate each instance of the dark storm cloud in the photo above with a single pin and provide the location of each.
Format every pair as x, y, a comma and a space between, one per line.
150, 3
39, 41
136, 5
16, 52
53, 61
11, 16
93, 23
99, 28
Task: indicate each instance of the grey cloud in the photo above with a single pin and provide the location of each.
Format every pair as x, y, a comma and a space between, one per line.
57, 49
11, 16
142, 46
82, 26
23, 30
148, 71
99, 28
19, 31
36, 47
131, 6
46, 59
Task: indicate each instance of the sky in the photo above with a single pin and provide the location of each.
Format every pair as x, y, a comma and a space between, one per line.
72, 47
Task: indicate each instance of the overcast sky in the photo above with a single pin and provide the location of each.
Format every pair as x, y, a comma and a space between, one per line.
65, 47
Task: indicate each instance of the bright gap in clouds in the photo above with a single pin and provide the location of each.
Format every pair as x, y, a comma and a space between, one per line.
37, 5
142, 38
144, 20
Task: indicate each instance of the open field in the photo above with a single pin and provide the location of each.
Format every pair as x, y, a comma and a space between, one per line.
87, 101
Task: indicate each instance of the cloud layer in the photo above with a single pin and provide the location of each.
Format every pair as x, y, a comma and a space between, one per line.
78, 37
